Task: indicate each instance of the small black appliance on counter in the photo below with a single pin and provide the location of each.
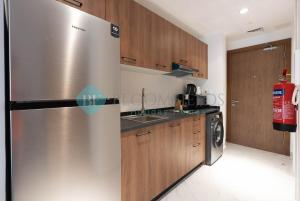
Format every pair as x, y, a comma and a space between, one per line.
192, 102
191, 89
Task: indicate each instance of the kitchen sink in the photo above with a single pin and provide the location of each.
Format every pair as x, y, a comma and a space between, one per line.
144, 118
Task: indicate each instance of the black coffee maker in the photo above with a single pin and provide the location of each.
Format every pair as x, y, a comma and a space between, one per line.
191, 89
190, 100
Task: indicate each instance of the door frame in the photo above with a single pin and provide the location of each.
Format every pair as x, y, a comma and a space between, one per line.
229, 97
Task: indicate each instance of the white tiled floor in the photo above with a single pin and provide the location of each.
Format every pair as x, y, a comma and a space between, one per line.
242, 174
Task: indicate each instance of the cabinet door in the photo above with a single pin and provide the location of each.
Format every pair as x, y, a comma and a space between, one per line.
198, 140
202, 50
129, 31
192, 51
198, 59
187, 131
176, 152
202, 138
136, 183
205, 61
183, 45
112, 13
144, 37
177, 44
160, 153
161, 46
93, 7
166, 46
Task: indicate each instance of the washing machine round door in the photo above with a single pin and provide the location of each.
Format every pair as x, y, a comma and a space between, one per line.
218, 134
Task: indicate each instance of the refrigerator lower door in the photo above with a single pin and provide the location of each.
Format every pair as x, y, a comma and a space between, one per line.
56, 51
65, 155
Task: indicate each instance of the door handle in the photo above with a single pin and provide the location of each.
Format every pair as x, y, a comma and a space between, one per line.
197, 145
234, 102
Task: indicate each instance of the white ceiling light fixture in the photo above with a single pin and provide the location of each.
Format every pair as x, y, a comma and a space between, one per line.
243, 11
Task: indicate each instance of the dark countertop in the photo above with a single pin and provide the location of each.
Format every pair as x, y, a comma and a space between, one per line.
128, 125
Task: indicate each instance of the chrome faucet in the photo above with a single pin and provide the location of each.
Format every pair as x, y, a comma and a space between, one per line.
143, 102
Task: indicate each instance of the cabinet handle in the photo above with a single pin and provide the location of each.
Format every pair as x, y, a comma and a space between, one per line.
128, 59
160, 66
144, 133
195, 133
74, 3
176, 125
196, 145
183, 61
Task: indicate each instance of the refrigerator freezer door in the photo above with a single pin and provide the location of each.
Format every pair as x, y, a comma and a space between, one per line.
65, 155
56, 51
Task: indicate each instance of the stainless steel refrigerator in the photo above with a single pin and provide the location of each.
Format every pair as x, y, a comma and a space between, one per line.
59, 151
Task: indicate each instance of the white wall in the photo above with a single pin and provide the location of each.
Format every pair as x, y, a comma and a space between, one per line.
160, 90
216, 85
280, 34
2, 108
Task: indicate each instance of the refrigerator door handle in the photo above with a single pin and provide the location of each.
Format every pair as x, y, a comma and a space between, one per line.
74, 3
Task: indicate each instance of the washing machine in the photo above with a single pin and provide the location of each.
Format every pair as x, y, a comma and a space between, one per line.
214, 137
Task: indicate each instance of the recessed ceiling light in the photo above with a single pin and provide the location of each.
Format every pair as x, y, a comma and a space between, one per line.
244, 11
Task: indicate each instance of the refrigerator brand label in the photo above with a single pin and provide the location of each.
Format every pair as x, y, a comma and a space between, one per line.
78, 28
115, 31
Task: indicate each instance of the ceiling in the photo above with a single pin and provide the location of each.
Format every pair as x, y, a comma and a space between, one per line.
223, 16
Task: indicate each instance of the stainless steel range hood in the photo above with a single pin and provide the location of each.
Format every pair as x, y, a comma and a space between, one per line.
179, 70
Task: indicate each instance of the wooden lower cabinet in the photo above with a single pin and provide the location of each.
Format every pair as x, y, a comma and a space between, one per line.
160, 168
198, 140
154, 158
136, 165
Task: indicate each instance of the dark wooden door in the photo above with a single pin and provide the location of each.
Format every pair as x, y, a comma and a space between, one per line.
251, 75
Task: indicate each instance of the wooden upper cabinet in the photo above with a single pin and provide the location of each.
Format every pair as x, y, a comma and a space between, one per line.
136, 180
180, 47
148, 40
201, 62
129, 31
193, 55
93, 7
203, 67
205, 63
143, 37
161, 44
183, 45
112, 13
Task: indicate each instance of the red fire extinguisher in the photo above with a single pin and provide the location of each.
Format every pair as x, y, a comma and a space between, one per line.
284, 112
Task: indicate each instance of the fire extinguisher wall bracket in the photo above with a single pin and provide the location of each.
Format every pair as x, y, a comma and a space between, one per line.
295, 99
